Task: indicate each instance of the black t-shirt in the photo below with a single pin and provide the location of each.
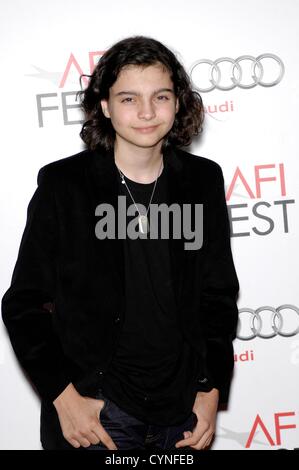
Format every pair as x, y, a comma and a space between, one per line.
152, 374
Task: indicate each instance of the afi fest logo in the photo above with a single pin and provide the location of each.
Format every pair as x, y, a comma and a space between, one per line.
259, 216
281, 422
271, 432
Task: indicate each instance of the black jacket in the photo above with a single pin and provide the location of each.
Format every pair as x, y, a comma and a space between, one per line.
64, 308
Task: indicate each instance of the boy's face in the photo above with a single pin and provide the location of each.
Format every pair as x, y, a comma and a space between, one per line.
141, 105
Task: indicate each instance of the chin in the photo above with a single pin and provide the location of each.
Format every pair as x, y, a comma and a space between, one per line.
147, 143
148, 139
144, 140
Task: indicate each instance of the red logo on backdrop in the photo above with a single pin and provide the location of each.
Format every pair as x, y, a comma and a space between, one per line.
273, 439
74, 64
259, 178
246, 356
267, 215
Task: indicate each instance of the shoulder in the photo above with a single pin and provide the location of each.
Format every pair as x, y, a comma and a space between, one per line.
199, 166
64, 168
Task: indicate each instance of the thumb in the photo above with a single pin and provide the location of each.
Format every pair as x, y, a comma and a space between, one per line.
187, 434
96, 401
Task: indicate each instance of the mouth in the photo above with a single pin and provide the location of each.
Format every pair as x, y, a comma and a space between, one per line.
145, 130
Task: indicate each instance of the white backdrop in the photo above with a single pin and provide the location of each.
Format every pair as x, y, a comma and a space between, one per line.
251, 132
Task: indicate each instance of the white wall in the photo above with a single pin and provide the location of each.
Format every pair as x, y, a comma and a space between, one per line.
259, 128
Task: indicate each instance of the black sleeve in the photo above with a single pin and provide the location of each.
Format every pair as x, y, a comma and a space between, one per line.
218, 301
27, 306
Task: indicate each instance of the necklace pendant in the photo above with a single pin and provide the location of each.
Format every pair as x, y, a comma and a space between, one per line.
143, 224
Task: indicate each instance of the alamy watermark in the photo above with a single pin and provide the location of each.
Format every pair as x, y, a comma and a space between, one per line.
180, 218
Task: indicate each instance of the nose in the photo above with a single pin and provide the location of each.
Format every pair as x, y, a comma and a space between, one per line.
146, 110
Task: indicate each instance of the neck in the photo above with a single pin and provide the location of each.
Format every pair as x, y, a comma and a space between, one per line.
139, 164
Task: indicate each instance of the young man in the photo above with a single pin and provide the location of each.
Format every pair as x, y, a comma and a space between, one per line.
128, 339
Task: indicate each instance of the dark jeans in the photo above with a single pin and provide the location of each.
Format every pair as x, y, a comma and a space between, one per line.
130, 433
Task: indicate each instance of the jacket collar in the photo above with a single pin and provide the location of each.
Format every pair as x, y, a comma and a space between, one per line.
103, 165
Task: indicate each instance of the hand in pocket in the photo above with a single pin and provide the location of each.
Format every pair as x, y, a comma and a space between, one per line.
79, 419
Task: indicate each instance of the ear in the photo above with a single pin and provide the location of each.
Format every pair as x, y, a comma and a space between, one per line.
177, 105
105, 108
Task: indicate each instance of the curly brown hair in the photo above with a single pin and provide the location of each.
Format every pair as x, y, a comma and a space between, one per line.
97, 130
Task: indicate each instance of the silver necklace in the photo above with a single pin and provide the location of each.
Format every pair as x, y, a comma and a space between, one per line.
143, 222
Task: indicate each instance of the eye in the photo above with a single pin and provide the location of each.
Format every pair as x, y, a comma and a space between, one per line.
127, 100
163, 97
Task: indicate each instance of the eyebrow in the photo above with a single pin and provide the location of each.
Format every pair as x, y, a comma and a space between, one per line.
161, 90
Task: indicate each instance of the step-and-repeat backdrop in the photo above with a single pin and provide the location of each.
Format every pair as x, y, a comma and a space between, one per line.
243, 59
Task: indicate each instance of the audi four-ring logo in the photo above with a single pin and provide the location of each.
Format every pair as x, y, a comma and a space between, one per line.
235, 75
256, 323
